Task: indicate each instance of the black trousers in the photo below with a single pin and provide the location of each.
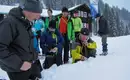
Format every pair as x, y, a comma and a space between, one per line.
104, 43
66, 48
32, 73
52, 59
76, 34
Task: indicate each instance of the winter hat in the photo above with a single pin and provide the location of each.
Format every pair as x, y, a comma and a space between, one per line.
49, 9
64, 9
52, 24
75, 11
84, 31
32, 6
97, 15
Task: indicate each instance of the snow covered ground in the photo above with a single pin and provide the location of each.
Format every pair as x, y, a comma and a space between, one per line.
114, 66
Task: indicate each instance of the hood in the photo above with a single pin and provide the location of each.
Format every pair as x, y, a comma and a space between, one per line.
18, 14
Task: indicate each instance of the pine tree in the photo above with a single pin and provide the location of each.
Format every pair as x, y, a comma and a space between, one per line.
127, 32
117, 22
101, 6
107, 13
128, 29
114, 21
122, 31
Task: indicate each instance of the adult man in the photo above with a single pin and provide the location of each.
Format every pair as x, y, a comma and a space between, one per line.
83, 47
17, 54
103, 32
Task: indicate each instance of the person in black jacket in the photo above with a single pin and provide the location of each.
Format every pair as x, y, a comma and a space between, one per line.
103, 32
17, 54
51, 43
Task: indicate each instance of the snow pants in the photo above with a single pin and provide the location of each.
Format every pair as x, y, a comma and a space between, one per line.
52, 59
104, 43
66, 48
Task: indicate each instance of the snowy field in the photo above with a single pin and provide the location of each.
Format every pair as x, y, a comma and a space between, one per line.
114, 66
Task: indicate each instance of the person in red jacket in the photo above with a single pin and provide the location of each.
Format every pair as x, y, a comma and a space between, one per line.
64, 21
63, 30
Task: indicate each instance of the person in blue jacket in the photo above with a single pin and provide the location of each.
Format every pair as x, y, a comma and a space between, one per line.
51, 43
37, 29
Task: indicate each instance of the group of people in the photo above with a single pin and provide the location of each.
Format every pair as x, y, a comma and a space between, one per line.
23, 28
58, 35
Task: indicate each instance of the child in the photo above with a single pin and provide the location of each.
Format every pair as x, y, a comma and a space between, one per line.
37, 29
77, 23
51, 43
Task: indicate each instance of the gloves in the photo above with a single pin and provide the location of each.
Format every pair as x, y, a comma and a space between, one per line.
85, 43
54, 50
83, 58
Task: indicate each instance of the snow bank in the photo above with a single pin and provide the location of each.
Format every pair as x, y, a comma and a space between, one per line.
114, 66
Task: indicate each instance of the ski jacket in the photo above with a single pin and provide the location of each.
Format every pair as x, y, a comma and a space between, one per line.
103, 26
79, 50
77, 23
16, 42
66, 27
50, 40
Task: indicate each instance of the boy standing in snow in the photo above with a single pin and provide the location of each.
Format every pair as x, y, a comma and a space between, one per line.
103, 32
77, 23
37, 29
84, 47
67, 31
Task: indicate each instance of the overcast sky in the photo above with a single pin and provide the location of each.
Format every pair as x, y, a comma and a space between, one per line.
119, 3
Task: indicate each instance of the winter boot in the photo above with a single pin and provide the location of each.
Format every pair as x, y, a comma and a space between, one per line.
104, 54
